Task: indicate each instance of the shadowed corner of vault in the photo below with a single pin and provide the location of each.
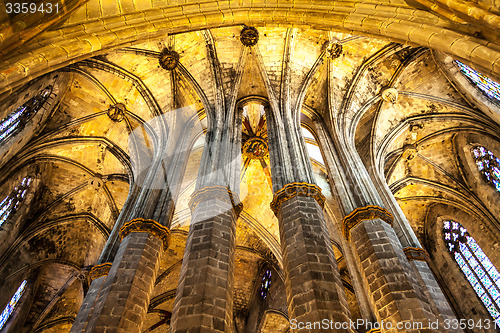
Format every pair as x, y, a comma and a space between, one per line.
160, 148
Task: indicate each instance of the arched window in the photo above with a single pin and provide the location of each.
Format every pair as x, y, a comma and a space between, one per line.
15, 121
489, 165
312, 146
11, 202
12, 304
476, 266
487, 86
266, 284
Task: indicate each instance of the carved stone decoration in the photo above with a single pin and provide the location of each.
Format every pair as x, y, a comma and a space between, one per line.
415, 253
100, 270
297, 189
169, 59
117, 112
216, 192
390, 95
249, 36
255, 148
363, 214
146, 225
409, 151
96, 182
333, 50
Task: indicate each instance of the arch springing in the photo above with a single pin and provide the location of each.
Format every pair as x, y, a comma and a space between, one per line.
7, 312
11, 202
489, 165
14, 122
487, 86
476, 266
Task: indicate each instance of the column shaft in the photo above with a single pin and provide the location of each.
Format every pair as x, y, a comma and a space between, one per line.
312, 280
204, 300
395, 294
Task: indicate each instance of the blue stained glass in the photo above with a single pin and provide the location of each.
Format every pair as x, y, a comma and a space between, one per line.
15, 121
487, 86
10, 307
10, 203
266, 284
489, 165
495, 294
476, 266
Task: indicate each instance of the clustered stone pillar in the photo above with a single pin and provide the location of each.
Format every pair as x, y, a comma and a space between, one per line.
312, 279
204, 300
394, 293
121, 300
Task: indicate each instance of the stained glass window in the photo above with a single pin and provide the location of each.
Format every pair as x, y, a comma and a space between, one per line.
12, 304
266, 284
11, 202
15, 121
489, 166
475, 265
487, 86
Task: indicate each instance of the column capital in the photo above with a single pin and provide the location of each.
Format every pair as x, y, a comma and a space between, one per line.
99, 270
297, 189
416, 253
215, 192
361, 214
146, 225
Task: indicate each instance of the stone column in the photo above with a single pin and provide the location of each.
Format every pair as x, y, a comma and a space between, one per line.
204, 300
124, 298
98, 274
395, 293
312, 279
416, 255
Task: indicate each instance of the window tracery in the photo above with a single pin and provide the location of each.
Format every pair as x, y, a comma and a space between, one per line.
15, 121
476, 266
489, 165
11, 202
487, 86
7, 312
266, 284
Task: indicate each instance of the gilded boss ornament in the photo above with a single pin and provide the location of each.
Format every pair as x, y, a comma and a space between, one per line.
333, 50
169, 59
255, 148
249, 36
117, 112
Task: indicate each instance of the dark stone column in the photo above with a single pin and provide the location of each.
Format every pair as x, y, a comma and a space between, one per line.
204, 300
121, 305
395, 292
98, 274
312, 279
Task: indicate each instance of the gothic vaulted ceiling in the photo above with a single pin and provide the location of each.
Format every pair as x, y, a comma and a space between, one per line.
80, 157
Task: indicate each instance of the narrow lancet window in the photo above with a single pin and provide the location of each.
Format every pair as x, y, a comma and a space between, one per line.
7, 312
489, 165
266, 284
487, 86
476, 266
15, 121
11, 202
